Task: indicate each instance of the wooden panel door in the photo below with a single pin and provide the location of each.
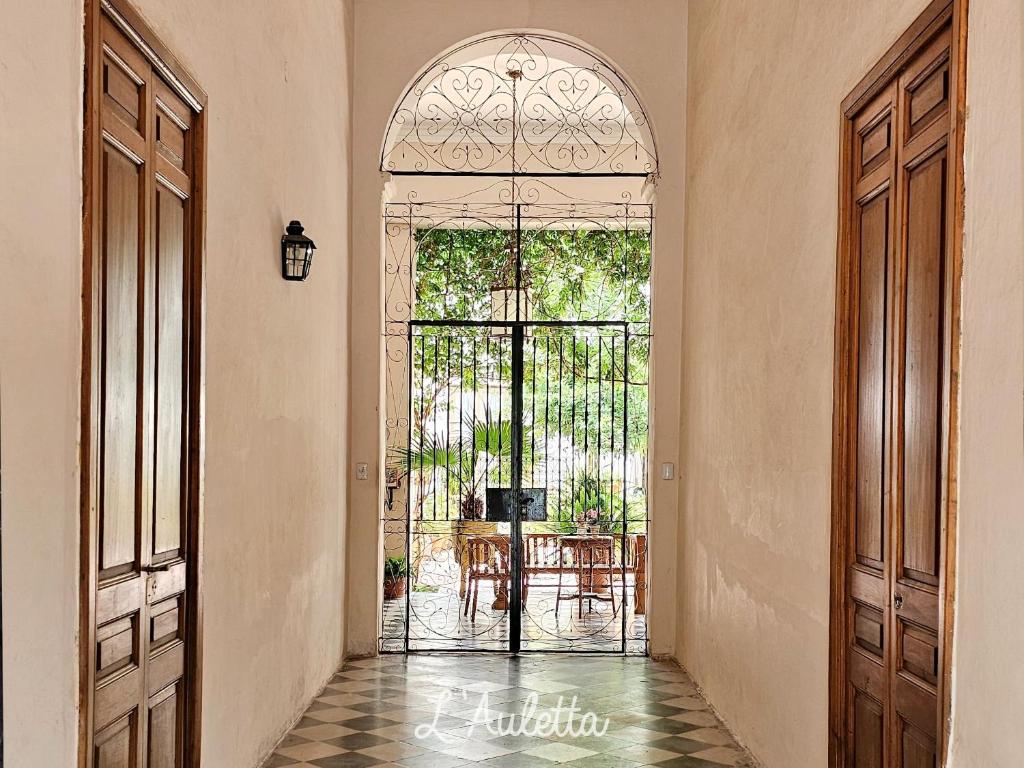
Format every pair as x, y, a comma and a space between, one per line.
896, 322
869, 548
140, 548
921, 398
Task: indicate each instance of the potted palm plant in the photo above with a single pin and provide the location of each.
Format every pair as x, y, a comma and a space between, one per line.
394, 578
464, 462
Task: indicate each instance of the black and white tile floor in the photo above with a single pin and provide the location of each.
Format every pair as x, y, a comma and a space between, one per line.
369, 713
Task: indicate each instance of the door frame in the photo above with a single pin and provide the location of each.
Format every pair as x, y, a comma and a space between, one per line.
131, 23
917, 35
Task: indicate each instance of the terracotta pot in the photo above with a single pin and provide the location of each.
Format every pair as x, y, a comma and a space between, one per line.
394, 588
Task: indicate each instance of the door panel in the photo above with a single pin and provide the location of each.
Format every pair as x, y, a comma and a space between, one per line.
869, 732
923, 365
460, 456
165, 729
143, 515
577, 595
122, 182
170, 374
917, 750
874, 232
118, 746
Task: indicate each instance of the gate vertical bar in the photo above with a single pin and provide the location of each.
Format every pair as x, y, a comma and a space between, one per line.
408, 491
516, 527
625, 481
516, 543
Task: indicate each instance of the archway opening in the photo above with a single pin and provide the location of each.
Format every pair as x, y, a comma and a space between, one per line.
517, 262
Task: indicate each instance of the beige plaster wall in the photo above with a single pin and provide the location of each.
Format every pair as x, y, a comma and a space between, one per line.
988, 687
40, 343
278, 78
393, 41
766, 80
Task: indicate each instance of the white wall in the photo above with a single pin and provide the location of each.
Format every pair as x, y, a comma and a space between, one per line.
766, 81
988, 686
277, 75
40, 352
393, 41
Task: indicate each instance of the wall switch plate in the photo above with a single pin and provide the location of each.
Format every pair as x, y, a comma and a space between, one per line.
668, 470
362, 471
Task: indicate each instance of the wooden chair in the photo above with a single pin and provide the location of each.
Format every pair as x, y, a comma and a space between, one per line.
488, 561
588, 557
540, 556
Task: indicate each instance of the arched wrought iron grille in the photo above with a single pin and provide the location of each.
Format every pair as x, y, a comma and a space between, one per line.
520, 104
517, 330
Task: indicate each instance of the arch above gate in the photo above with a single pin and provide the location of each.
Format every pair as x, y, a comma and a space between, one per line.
526, 104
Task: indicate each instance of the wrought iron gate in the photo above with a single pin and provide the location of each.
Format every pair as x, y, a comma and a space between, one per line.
517, 426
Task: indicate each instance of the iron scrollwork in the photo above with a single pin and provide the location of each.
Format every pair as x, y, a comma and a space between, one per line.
520, 104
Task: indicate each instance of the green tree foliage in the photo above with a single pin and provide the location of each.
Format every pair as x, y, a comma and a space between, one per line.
572, 273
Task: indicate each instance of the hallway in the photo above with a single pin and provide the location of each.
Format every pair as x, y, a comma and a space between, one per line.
369, 712
364, 363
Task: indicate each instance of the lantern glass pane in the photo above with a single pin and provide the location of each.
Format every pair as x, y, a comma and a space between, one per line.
504, 303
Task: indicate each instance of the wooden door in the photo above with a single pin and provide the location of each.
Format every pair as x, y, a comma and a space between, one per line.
920, 429
896, 320
869, 542
140, 386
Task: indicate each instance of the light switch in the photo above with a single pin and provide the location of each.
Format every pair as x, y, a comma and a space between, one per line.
362, 471
668, 470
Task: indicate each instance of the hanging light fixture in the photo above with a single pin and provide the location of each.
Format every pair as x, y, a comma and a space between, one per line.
510, 294
296, 253
509, 305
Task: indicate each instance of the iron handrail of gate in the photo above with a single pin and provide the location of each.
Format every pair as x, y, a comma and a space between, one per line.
532, 323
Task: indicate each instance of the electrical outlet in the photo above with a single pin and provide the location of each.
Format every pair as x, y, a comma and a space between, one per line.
362, 471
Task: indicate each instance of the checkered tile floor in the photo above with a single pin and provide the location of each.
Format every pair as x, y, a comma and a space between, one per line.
369, 713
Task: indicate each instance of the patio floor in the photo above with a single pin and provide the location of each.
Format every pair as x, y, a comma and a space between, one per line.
438, 621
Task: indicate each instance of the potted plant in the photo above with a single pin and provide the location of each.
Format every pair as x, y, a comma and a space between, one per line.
591, 510
590, 505
587, 521
394, 578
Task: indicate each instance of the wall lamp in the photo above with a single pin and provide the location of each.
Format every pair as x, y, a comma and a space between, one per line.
296, 253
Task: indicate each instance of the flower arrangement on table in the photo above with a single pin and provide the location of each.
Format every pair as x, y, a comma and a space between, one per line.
588, 521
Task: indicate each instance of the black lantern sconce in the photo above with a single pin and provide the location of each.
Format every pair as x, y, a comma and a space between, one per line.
296, 253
